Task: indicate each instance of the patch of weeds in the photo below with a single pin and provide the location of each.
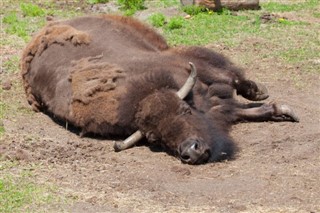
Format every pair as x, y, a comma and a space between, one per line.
162, 4
175, 23
193, 9
29, 9
316, 14
15, 25
131, 6
169, 3
11, 65
22, 27
157, 19
224, 11
280, 7
21, 194
97, 1
10, 18
204, 28
129, 12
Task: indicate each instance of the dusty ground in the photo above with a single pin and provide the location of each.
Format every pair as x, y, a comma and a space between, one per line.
277, 168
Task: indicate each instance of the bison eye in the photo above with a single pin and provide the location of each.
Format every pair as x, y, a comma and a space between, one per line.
184, 109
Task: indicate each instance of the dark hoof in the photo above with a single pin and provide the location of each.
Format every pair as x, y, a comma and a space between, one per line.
261, 93
251, 90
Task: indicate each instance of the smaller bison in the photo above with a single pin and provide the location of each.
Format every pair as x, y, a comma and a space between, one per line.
116, 77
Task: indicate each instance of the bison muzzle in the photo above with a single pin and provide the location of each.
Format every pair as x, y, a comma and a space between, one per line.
114, 76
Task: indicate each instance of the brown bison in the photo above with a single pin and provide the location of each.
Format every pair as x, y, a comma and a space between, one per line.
113, 76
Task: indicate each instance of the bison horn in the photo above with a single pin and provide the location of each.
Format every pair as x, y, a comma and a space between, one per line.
130, 141
187, 87
182, 93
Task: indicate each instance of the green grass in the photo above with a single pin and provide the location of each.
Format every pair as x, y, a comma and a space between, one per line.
131, 6
12, 64
316, 14
193, 10
162, 3
16, 26
29, 9
204, 28
280, 7
175, 23
23, 19
300, 50
21, 26
20, 194
157, 19
169, 3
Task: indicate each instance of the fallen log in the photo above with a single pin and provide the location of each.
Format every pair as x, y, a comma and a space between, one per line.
217, 5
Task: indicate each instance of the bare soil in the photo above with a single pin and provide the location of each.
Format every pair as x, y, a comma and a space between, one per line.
276, 169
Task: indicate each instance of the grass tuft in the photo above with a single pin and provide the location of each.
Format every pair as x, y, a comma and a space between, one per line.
193, 10
280, 7
157, 19
131, 6
32, 10
175, 23
20, 194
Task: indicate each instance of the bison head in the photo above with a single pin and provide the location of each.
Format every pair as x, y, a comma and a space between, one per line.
164, 117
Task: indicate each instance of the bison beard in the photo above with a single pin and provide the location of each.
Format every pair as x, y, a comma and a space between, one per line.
113, 76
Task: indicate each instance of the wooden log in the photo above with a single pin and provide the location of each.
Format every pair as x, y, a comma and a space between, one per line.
217, 5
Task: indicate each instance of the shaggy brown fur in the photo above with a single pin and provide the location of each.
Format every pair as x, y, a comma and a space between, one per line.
112, 75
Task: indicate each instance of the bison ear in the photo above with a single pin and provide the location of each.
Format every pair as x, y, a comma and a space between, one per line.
184, 109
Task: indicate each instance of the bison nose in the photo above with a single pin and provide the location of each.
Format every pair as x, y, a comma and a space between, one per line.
194, 151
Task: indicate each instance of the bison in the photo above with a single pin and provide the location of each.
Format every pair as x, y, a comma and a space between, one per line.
114, 76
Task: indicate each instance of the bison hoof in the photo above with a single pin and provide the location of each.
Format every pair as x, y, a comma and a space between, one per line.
251, 90
285, 113
261, 93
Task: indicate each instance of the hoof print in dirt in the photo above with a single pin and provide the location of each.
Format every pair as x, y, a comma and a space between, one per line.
124, 79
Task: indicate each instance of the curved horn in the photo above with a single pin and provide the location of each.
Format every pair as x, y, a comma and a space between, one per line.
187, 87
182, 93
130, 141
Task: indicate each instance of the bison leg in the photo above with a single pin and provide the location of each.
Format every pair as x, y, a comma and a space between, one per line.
266, 112
251, 90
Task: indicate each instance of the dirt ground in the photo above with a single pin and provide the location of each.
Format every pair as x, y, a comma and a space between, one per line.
276, 169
